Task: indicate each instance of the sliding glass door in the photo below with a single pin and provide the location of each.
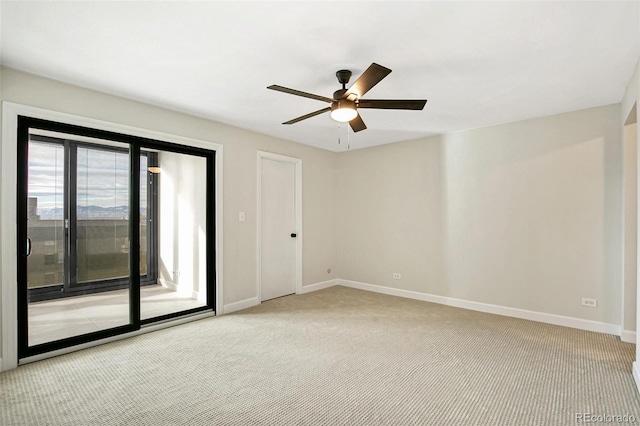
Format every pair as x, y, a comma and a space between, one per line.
99, 253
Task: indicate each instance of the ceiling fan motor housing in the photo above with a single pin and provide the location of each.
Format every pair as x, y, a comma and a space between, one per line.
343, 103
338, 94
343, 76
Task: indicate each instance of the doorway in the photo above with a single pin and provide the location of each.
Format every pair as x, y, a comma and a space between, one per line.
279, 217
114, 232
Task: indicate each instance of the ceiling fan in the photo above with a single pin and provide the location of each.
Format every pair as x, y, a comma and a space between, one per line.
346, 102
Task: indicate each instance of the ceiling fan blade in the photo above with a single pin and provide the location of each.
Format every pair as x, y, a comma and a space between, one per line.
299, 93
311, 114
372, 76
416, 104
357, 124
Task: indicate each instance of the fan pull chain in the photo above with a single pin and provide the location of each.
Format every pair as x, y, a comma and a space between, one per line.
340, 136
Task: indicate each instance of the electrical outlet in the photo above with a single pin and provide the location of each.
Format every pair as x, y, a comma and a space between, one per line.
397, 276
592, 303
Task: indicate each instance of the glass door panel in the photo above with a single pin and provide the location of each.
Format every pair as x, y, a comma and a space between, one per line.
102, 216
144, 217
179, 180
78, 224
45, 216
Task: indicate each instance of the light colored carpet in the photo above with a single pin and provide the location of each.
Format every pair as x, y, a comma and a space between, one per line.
336, 356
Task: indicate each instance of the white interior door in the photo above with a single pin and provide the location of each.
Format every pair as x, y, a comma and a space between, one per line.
278, 228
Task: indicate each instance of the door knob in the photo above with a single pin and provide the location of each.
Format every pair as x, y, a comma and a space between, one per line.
293, 235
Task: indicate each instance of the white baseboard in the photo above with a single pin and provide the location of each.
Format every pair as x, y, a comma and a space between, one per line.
572, 322
628, 336
168, 284
253, 301
582, 324
636, 374
242, 304
319, 286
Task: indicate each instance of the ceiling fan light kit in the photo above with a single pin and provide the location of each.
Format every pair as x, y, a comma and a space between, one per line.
343, 111
345, 103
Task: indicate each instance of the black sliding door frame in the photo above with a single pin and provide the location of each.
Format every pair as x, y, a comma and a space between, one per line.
137, 145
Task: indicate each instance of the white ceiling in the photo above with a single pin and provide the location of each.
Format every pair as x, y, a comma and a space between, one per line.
478, 63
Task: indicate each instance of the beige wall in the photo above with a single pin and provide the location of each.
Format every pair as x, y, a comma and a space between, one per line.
525, 215
240, 165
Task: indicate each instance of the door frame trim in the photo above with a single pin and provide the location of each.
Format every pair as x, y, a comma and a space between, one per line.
8, 216
297, 162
